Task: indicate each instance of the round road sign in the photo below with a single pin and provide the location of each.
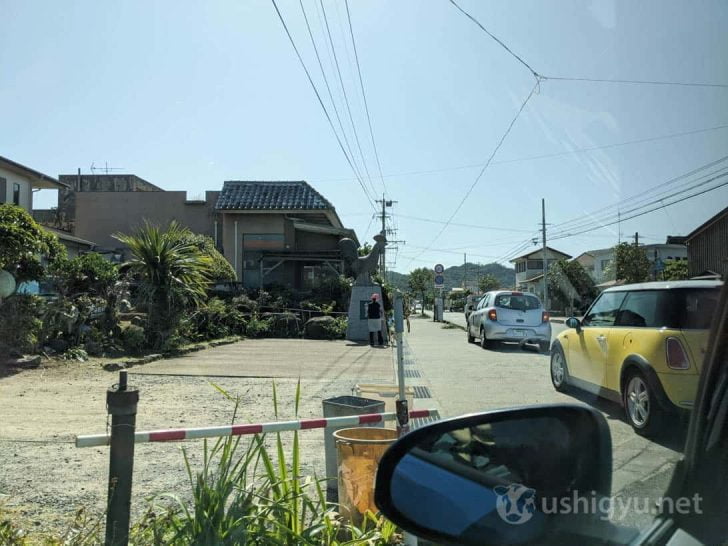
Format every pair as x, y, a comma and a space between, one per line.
439, 280
439, 268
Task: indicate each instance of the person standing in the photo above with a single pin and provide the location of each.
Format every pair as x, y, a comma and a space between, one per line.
374, 320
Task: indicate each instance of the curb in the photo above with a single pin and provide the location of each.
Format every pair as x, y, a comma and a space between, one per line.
454, 324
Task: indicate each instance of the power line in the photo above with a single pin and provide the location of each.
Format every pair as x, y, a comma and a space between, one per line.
504, 46
364, 95
637, 82
664, 205
541, 156
645, 203
474, 226
541, 77
648, 192
487, 164
328, 88
321, 102
346, 98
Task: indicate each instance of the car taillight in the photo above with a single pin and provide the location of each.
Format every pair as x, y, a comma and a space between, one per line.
492, 315
677, 359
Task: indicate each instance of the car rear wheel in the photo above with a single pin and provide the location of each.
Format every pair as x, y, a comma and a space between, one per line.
471, 339
485, 343
544, 346
559, 371
640, 407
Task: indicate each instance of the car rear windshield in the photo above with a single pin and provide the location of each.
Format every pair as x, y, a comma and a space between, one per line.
687, 308
520, 302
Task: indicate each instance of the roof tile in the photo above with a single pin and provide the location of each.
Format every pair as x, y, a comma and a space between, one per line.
270, 195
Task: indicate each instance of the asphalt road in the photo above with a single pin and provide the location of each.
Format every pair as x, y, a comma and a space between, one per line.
464, 378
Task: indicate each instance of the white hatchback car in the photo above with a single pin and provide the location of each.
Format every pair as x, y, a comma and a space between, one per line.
504, 315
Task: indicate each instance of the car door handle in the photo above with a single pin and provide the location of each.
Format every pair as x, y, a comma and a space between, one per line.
601, 338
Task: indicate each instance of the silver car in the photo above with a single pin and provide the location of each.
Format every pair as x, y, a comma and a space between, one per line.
504, 315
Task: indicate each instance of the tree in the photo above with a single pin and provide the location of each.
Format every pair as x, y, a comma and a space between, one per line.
173, 272
23, 243
488, 282
675, 270
420, 281
570, 285
630, 264
221, 270
90, 273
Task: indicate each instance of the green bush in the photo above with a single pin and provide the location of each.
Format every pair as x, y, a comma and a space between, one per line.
335, 329
133, 339
258, 327
215, 319
20, 325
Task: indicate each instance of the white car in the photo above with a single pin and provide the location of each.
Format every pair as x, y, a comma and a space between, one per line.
505, 315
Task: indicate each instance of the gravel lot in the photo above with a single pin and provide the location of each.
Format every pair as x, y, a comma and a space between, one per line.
45, 478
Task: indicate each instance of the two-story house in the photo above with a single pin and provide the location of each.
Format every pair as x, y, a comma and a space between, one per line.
529, 269
17, 185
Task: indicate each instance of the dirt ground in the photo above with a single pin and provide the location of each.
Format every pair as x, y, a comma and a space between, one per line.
44, 478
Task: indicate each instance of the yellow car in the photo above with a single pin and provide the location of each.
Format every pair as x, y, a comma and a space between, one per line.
641, 345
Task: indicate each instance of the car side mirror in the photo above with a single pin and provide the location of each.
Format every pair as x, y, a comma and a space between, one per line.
573, 323
497, 477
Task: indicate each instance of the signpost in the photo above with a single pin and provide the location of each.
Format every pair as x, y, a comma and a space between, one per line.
439, 285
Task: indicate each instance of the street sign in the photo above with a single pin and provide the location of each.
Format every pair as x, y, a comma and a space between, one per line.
439, 268
439, 281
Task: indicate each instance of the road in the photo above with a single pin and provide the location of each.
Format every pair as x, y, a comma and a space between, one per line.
464, 378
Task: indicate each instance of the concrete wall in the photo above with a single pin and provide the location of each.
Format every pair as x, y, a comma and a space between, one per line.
26, 189
101, 214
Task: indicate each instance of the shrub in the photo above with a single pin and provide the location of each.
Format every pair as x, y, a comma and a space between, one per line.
258, 327
75, 353
215, 319
326, 327
133, 339
20, 325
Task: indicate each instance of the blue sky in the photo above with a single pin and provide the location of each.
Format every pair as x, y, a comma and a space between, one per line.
189, 94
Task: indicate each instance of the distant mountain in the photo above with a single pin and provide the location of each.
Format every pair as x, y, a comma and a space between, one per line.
455, 275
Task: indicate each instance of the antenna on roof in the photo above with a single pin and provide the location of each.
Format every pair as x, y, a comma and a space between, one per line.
105, 169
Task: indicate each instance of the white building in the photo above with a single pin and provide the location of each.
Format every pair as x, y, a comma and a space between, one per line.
17, 183
597, 261
529, 269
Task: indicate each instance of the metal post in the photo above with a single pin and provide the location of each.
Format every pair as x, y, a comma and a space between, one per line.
402, 409
545, 259
121, 404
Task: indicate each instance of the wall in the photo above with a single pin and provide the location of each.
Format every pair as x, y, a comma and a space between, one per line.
65, 216
249, 223
708, 250
26, 190
101, 214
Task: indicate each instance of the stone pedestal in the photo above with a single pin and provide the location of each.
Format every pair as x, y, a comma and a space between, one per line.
357, 329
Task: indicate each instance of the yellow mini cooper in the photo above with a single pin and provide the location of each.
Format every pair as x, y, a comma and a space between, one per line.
641, 345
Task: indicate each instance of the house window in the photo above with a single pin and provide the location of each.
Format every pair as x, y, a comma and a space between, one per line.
520, 267
16, 194
605, 264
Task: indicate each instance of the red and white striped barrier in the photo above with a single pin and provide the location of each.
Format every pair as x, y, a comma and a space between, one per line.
260, 428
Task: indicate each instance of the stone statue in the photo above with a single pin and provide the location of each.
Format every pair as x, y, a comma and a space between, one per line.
362, 267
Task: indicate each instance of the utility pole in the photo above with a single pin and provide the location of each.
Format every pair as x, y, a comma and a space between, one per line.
383, 216
636, 239
465, 272
545, 259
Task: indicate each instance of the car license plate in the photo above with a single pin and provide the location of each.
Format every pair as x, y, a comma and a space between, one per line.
520, 333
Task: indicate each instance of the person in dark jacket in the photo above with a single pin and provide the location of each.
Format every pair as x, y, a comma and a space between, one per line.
374, 320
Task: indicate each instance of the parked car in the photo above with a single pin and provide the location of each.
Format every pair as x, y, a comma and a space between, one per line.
527, 475
471, 303
640, 345
504, 315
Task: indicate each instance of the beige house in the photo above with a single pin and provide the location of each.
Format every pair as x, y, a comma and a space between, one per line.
271, 232
279, 232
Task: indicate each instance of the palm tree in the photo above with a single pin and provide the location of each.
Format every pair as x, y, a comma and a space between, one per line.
174, 275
